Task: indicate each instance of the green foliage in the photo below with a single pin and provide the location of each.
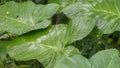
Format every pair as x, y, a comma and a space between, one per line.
82, 28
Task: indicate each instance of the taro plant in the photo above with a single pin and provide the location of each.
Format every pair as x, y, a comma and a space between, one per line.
27, 33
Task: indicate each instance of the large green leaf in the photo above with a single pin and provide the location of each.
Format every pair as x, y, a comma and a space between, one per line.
79, 28
106, 59
78, 13
19, 18
107, 14
37, 45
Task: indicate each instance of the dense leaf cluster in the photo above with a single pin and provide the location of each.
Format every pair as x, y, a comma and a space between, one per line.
59, 34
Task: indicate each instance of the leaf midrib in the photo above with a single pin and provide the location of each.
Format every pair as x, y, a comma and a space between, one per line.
9, 18
49, 46
107, 12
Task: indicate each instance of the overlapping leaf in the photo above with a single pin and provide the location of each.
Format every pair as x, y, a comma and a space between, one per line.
44, 44
79, 12
106, 59
107, 14
19, 18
